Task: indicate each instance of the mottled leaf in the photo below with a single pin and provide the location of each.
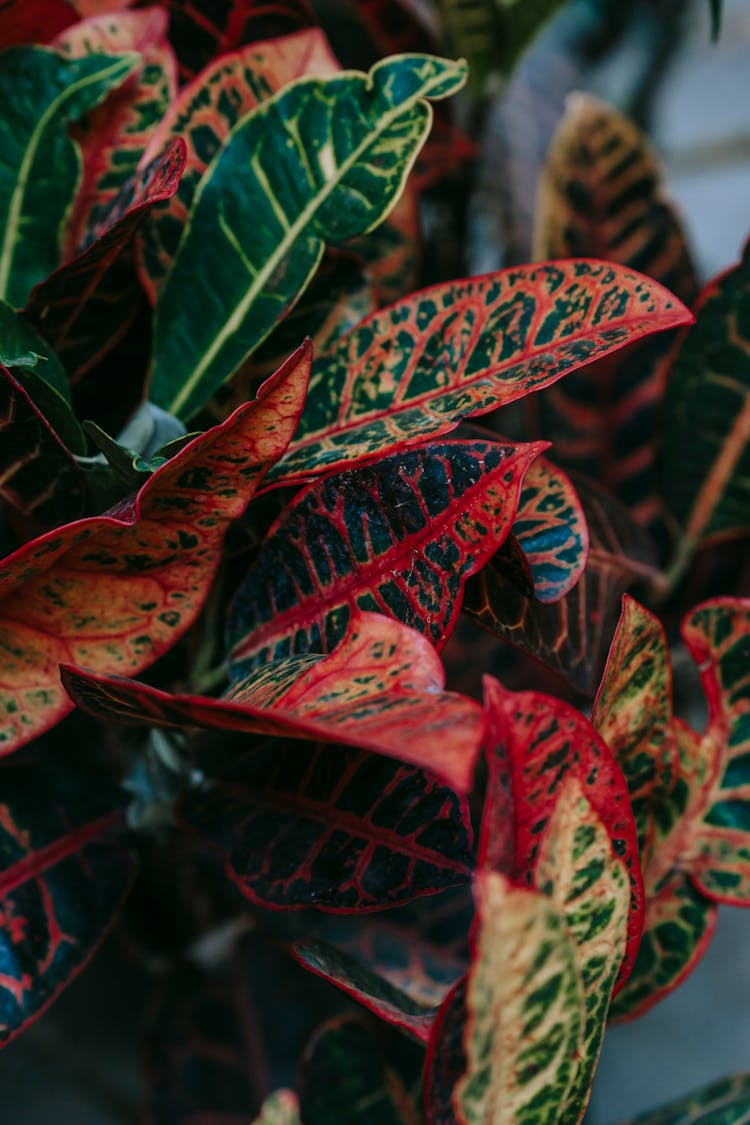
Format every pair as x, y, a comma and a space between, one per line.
63, 875
381, 689
337, 829
726, 1102
464, 348
114, 136
364, 131
204, 113
43, 93
399, 537
114, 592
87, 305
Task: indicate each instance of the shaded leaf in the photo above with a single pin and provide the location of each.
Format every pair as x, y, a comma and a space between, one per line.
87, 305
22, 22
722, 1103
381, 689
337, 829
114, 592
365, 131
459, 349
43, 92
550, 528
399, 537
63, 875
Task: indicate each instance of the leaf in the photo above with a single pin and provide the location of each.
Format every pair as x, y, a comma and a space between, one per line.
535, 744
460, 349
392, 252
114, 592
40, 167
722, 1103
351, 1076
63, 875
204, 113
399, 537
572, 635
524, 1014
213, 312
281, 1108
88, 304
705, 454
22, 22
21, 346
381, 689
334, 828
601, 193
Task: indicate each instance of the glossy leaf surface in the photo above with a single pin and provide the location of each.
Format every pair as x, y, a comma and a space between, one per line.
364, 131
63, 875
399, 537
43, 93
464, 348
725, 1102
337, 829
114, 592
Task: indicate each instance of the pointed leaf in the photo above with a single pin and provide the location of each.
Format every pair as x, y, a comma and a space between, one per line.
213, 312
88, 304
63, 875
337, 829
725, 1102
381, 689
204, 113
705, 455
40, 165
399, 537
114, 592
464, 348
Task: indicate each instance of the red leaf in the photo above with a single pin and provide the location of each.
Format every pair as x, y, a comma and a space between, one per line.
116, 591
381, 689
39, 22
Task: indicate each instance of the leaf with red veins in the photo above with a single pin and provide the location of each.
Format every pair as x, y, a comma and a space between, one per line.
114, 592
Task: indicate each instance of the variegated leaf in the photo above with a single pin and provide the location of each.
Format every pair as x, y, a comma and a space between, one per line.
364, 131
464, 348
726, 1102
40, 167
399, 537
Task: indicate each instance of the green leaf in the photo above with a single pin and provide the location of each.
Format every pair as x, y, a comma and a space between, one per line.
21, 346
42, 93
320, 162
280, 1108
722, 1103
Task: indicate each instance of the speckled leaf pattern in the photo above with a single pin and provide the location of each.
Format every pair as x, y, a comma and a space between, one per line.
705, 452
524, 1014
22, 22
204, 113
601, 193
114, 136
726, 1102
399, 537
113, 592
535, 744
63, 875
38, 476
41, 164
381, 689
350, 141
87, 305
572, 635
588, 885
392, 253
338, 829
464, 348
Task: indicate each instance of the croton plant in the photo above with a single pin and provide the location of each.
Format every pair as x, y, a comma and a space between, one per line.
354, 717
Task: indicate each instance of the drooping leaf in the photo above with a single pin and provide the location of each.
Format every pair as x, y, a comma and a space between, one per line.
114, 136
705, 454
464, 348
399, 537
114, 592
601, 194
534, 745
571, 636
22, 22
523, 1016
365, 131
333, 828
43, 93
87, 305
204, 114
381, 689
726, 1102
63, 874
351, 1076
